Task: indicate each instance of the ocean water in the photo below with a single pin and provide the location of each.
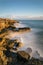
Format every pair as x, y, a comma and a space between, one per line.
34, 38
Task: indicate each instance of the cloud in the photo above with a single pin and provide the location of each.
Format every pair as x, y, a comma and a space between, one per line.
29, 17
13, 16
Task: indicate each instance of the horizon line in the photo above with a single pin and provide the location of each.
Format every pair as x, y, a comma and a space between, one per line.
23, 17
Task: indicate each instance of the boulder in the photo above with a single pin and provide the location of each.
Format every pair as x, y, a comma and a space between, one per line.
29, 51
23, 56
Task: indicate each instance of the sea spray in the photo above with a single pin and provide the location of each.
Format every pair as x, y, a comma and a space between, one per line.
20, 25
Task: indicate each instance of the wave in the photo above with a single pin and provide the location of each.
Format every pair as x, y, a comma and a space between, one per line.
20, 25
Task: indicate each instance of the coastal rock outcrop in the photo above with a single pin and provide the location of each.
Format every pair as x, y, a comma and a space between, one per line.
29, 50
8, 46
7, 25
23, 56
6, 22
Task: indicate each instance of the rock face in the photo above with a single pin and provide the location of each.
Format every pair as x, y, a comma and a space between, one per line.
22, 55
17, 59
8, 56
6, 45
7, 25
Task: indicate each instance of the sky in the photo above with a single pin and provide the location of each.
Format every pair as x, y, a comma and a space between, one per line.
21, 9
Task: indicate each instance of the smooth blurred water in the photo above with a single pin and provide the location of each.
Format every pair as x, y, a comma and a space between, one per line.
34, 39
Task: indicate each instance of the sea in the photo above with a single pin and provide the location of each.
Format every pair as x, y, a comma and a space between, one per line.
34, 38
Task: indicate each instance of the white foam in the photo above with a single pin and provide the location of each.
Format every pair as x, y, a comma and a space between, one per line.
36, 55
20, 25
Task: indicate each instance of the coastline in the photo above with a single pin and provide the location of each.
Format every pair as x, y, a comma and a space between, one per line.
8, 46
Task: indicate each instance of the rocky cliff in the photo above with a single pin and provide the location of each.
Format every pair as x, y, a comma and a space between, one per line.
9, 54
